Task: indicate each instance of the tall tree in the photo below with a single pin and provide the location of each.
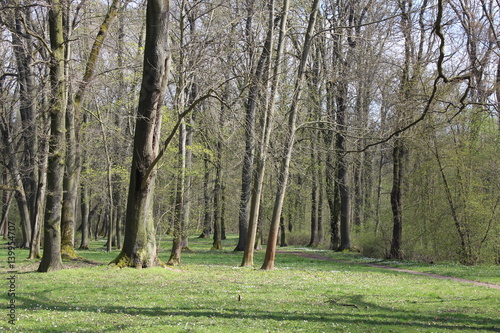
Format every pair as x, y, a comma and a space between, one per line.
51, 259
249, 125
256, 89
290, 138
410, 72
139, 245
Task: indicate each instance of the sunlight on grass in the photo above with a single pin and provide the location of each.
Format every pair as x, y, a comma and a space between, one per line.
210, 293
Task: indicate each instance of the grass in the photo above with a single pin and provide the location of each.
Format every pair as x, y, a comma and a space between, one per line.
210, 293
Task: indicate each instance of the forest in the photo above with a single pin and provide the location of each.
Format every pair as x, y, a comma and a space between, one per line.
349, 125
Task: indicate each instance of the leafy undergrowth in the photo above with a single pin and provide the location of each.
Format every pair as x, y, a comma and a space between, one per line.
210, 293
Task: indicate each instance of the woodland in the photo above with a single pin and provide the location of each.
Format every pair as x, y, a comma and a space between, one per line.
349, 125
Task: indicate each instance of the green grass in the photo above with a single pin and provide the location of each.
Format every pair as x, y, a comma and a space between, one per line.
210, 293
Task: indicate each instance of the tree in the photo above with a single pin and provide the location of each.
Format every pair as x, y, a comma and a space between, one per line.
139, 245
51, 258
290, 138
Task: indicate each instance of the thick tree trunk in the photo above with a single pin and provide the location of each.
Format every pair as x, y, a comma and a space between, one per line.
139, 246
51, 259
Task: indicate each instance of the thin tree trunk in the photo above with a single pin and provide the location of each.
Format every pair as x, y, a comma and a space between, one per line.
85, 209
217, 238
40, 200
6, 201
313, 241
290, 138
186, 207
283, 242
248, 159
175, 254
398, 156
341, 168
119, 216
23, 52
207, 216
266, 121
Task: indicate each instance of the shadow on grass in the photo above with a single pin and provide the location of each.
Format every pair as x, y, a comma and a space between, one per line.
351, 311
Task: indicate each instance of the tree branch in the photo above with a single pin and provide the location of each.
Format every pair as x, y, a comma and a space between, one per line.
180, 116
440, 76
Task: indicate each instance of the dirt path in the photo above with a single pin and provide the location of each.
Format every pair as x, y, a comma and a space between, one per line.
436, 276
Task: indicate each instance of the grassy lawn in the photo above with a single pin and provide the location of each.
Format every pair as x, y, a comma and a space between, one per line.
210, 293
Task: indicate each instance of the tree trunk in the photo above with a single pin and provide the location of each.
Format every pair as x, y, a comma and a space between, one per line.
207, 216
217, 238
314, 196
266, 122
139, 246
23, 49
51, 259
119, 216
72, 174
341, 168
40, 200
175, 254
85, 209
398, 156
248, 158
283, 242
70, 188
290, 138
6, 201
186, 207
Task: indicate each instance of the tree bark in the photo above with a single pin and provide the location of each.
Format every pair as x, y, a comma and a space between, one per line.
51, 259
